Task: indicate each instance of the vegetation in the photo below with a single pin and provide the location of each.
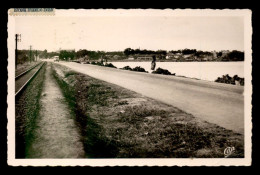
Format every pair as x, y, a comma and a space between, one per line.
101, 64
129, 51
66, 55
45, 54
23, 56
162, 71
127, 68
234, 56
231, 80
181, 55
95, 55
139, 69
220, 56
110, 65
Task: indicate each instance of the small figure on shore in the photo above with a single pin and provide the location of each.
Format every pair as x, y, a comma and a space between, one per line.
105, 60
153, 65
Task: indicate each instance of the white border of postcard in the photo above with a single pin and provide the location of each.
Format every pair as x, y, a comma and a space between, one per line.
246, 161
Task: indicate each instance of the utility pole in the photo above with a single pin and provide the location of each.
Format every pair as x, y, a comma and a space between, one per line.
36, 56
30, 54
17, 39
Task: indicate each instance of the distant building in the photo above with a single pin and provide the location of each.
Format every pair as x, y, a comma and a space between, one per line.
214, 53
169, 56
116, 57
55, 57
187, 56
224, 52
205, 59
144, 58
189, 59
108, 56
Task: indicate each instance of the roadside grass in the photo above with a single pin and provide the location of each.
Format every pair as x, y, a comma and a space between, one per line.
67, 90
27, 109
118, 123
169, 136
95, 142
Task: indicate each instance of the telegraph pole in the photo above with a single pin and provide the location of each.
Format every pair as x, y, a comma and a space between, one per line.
17, 39
30, 54
36, 56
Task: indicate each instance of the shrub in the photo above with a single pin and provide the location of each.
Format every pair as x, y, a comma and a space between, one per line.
127, 68
99, 64
230, 80
139, 69
110, 65
162, 71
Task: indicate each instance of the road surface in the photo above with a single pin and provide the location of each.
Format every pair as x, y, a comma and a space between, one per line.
221, 104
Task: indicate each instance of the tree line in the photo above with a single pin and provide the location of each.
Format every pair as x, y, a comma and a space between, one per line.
129, 51
23, 55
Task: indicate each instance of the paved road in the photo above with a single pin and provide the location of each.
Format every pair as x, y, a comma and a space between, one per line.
217, 103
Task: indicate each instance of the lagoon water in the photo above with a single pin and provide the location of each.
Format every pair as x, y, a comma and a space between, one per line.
201, 70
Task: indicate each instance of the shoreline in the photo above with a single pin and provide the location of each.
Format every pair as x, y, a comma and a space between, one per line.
168, 61
182, 76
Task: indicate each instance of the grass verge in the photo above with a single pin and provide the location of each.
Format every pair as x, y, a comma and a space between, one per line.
116, 122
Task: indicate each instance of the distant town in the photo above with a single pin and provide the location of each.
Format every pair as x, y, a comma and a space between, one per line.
185, 55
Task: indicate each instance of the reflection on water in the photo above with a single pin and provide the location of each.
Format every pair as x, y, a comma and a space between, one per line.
201, 70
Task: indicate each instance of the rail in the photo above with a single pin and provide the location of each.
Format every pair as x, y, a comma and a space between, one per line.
23, 73
27, 82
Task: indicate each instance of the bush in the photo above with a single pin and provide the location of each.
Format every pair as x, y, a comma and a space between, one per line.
162, 71
99, 64
230, 80
127, 68
110, 65
139, 69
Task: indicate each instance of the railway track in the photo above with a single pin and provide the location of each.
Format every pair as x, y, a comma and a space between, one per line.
23, 79
21, 73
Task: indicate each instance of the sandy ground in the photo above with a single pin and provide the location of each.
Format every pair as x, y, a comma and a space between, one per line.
56, 135
217, 103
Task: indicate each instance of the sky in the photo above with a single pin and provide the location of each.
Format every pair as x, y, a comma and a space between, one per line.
116, 33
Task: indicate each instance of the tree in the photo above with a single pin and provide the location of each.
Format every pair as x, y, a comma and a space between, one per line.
128, 51
219, 54
66, 55
44, 54
189, 51
81, 53
235, 56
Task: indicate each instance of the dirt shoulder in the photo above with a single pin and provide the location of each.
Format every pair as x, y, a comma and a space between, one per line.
56, 134
116, 122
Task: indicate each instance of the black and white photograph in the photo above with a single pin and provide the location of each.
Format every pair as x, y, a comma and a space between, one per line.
129, 87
